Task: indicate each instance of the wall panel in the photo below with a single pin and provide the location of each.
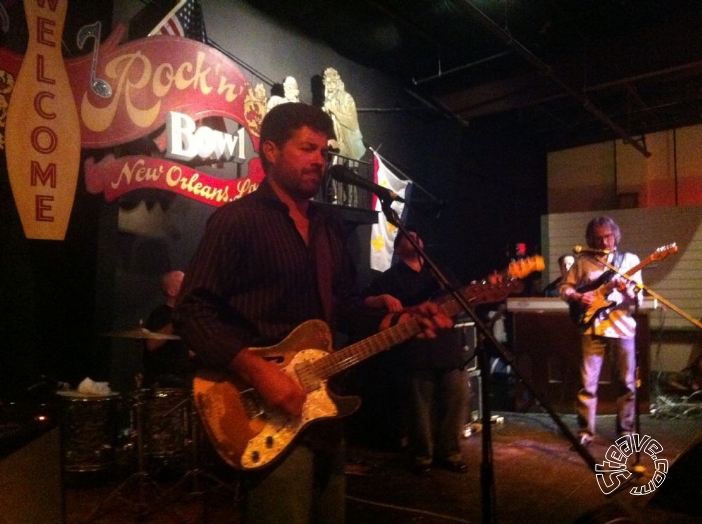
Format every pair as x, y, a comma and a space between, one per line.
581, 178
689, 165
651, 178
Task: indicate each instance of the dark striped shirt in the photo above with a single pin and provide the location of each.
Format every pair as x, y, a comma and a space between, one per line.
253, 279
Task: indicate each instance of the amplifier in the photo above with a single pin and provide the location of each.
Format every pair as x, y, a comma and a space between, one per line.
468, 341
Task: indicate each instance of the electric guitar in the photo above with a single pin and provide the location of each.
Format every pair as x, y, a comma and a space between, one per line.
248, 435
584, 315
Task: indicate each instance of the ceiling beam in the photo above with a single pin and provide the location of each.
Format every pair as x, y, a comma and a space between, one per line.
545, 69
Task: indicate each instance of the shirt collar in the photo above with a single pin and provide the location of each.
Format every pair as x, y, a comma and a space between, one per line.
266, 193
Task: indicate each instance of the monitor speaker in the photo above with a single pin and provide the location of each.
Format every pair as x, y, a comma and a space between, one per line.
681, 490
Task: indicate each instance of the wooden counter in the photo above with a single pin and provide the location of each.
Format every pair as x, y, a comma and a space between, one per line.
546, 345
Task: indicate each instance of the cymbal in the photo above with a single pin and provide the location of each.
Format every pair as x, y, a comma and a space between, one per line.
140, 333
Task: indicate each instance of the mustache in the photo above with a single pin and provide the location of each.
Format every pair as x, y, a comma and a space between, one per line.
319, 171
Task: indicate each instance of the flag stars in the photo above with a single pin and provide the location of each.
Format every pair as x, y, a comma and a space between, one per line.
378, 243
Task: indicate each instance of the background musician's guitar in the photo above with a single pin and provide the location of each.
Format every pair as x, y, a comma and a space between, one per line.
584, 315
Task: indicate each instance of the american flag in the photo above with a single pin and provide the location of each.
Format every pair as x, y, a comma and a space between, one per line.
185, 19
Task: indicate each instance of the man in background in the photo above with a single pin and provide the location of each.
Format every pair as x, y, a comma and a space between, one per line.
564, 263
166, 361
611, 329
438, 387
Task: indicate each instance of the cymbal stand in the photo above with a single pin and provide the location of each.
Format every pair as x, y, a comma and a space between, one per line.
139, 479
196, 474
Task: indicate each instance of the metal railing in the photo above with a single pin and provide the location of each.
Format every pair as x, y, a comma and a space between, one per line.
339, 193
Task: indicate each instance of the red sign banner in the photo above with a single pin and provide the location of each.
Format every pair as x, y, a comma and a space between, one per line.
117, 176
151, 77
55, 111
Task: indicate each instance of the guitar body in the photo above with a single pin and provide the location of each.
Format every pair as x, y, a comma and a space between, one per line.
246, 433
582, 315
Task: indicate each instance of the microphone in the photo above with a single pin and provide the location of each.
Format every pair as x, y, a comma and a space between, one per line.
581, 249
344, 174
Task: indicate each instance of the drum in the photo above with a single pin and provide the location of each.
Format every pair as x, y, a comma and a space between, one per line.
166, 422
88, 430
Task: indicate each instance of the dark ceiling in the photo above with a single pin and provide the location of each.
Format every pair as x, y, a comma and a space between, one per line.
569, 72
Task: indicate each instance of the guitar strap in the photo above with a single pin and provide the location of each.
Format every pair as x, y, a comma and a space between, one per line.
618, 259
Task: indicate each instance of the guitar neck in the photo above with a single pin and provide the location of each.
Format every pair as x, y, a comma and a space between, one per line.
609, 280
354, 354
638, 267
480, 293
502, 286
474, 294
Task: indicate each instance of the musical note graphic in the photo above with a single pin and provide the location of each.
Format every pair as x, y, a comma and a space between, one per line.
100, 87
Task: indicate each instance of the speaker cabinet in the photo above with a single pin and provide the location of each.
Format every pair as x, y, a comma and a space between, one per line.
681, 490
30, 482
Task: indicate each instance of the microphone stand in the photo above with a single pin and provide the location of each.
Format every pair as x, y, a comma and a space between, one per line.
638, 468
487, 484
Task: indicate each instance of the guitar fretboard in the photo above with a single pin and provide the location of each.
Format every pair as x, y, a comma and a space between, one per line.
506, 283
474, 294
360, 351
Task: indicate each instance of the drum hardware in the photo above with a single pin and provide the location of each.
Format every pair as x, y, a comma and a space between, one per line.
167, 424
88, 431
196, 475
149, 495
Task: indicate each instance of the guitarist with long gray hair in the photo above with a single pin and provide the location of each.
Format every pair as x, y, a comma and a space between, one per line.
600, 302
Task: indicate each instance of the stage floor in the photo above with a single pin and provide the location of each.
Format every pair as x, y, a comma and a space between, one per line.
537, 478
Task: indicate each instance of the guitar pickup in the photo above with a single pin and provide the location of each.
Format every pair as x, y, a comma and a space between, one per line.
307, 377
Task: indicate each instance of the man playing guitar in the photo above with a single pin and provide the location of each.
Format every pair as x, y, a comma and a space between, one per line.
601, 300
267, 263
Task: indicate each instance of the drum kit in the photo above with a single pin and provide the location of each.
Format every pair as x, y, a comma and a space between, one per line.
164, 430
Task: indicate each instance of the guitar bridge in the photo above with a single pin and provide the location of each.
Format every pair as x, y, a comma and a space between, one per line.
251, 402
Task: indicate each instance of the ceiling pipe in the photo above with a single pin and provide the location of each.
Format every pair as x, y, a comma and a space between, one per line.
437, 106
441, 73
546, 70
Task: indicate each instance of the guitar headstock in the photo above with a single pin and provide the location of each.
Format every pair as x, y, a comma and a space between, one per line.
664, 251
492, 292
496, 289
522, 268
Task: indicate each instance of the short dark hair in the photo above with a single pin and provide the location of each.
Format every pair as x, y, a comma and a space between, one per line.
602, 221
401, 234
283, 120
